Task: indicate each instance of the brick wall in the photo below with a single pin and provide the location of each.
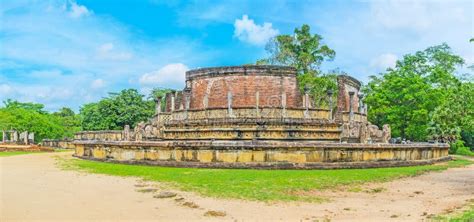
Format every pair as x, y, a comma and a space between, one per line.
244, 84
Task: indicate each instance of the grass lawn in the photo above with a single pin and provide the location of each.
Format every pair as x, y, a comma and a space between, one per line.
14, 153
262, 185
467, 215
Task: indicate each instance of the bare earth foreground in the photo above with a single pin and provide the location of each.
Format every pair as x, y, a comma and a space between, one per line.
32, 187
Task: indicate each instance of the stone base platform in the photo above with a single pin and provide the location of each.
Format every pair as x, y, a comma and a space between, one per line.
262, 154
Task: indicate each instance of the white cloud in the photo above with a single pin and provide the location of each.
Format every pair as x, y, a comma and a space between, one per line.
246, 30
97, 84
5, 89
77, 11
106, 51
47, 55
171, 74
384, 61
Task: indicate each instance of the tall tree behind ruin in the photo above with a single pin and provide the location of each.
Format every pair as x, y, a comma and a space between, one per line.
305, 52
410, 95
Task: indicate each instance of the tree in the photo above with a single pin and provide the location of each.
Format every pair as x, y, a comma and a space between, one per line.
32, 118
127, 107
305, 52
406, 96
302, 50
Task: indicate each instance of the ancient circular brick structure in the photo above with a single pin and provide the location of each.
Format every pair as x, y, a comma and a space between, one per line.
210, 87
256, 117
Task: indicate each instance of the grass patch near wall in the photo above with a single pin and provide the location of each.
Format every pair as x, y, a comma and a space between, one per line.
465, 215
262, 185
14, 153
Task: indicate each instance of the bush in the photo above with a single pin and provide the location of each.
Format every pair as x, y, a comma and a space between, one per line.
464, 151
453, 147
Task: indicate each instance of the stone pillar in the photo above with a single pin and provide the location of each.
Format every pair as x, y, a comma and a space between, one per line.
31, 137
187, 102
351, 111
157, 105
257, 100
330, 93
25, 137
172, 102
15, 136
306, 101
229, 104
4, 136
283, 104
361, 105
205, 103
126, 132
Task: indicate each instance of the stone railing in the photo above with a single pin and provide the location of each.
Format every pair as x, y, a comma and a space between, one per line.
104, 135
63, 144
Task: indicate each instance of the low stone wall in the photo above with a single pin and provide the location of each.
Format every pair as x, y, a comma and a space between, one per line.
63, 144
262, 154
104, 135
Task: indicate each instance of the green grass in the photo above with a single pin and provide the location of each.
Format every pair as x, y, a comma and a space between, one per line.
262, 185
466, 215
13, 153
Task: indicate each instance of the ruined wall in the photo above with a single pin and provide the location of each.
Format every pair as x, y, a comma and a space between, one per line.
210, 87
63, 144
345, 85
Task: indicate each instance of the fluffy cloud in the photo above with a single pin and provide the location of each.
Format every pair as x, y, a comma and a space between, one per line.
106, 51
5, 89
246, 30
384, 61
97, 84
171, 74
50, 56
77, 11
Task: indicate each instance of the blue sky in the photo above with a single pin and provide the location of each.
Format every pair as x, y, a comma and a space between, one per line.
67, 53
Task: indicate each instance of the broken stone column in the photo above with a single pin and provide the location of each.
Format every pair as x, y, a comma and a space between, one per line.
351, 111
306, 101
283, 104
205, 103
172, 102
25, 137
257, 99
329, 93
4, 136
229, 104
361, 105
157, 105
31, 137
15, 136
126, 132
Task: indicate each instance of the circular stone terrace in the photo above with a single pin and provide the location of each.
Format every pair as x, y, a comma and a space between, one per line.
256, 117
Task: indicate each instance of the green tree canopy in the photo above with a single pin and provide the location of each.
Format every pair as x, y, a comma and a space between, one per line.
302, 50
32, 118
407, 95
128, 107
305, 52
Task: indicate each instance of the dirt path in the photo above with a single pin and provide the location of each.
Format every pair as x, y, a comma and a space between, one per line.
33, 188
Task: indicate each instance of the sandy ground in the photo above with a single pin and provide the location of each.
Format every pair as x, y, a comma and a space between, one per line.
32, 187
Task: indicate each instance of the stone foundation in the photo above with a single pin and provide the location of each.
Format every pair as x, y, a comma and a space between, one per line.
262, 154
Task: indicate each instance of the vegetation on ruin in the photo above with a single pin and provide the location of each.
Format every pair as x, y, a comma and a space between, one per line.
305, 52
262, 185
